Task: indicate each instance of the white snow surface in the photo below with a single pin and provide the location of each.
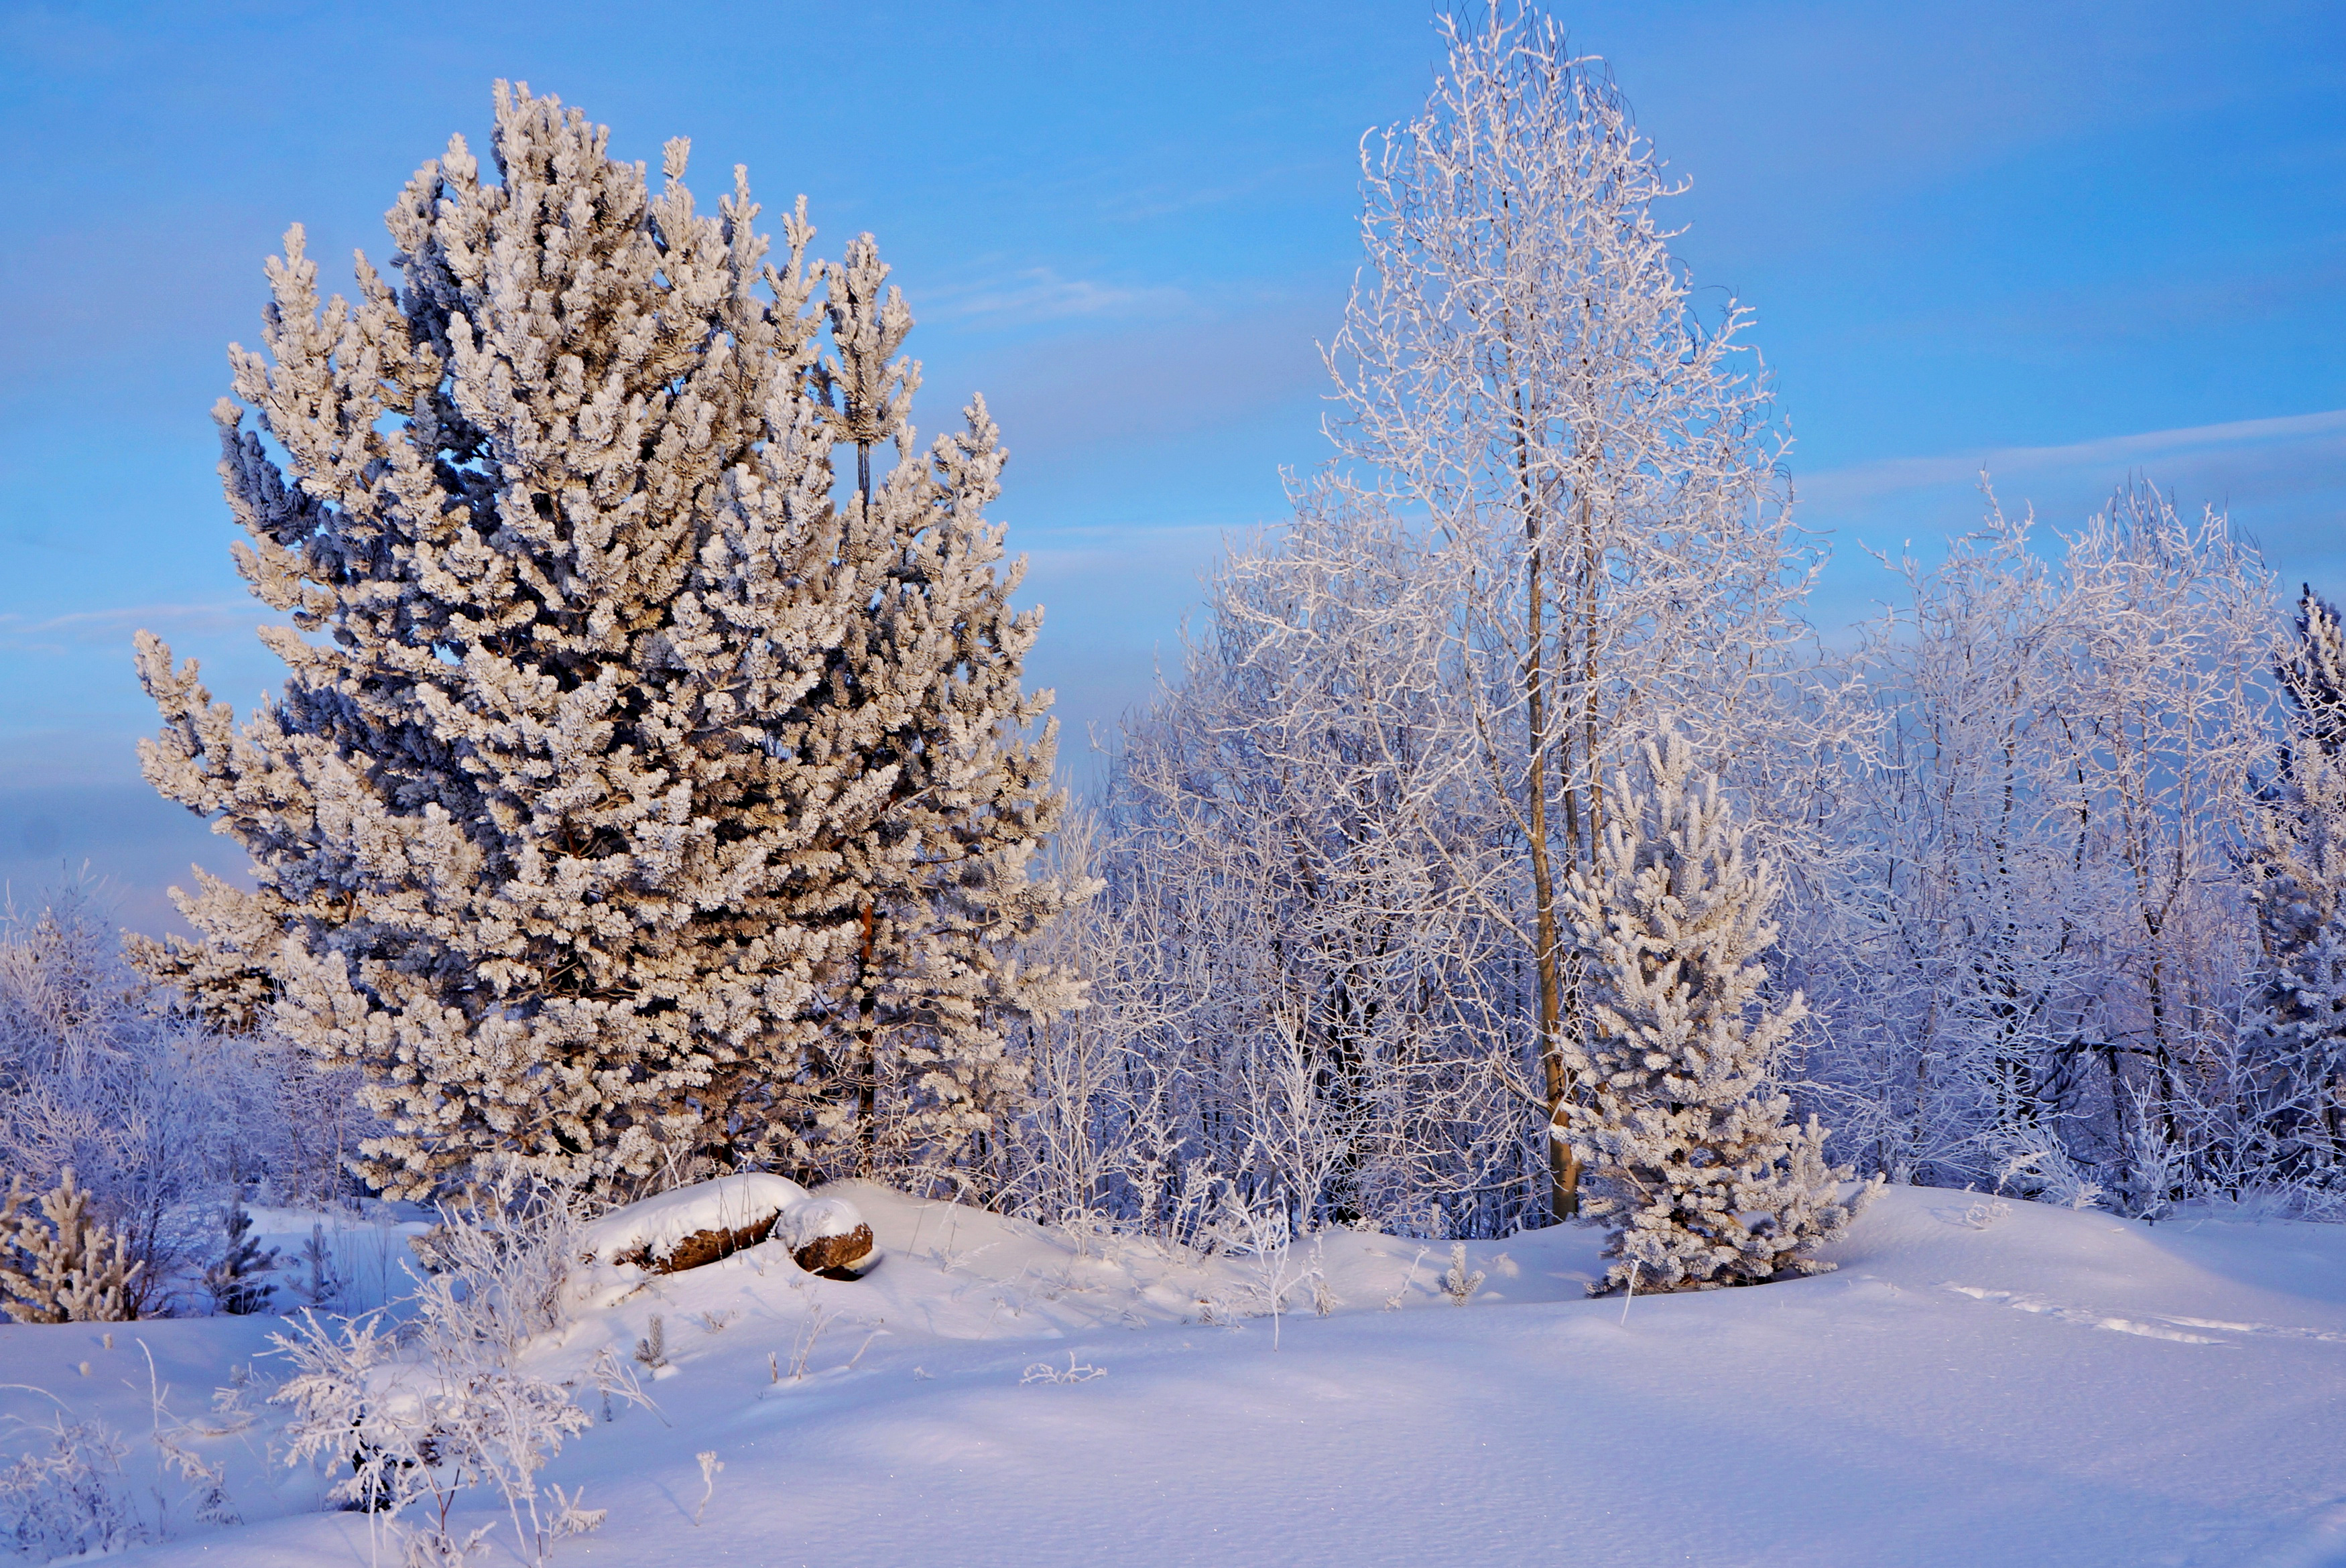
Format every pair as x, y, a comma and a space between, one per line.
656, 1225
1978, 1385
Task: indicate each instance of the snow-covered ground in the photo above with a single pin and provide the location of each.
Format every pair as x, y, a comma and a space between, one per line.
1980, 1384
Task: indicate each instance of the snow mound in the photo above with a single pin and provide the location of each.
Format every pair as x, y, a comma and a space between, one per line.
1975, 1385
652, 1228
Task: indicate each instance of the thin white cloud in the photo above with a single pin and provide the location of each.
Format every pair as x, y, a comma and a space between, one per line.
1839, 488
1036, 294
83, 628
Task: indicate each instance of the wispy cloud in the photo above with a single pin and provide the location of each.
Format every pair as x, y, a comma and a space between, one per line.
1157, 381
2307, 446
1037, 294
108, 627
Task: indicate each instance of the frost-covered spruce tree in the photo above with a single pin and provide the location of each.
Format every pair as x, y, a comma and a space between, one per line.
2294, 1027
1691, 1156
2313, 675
617, 763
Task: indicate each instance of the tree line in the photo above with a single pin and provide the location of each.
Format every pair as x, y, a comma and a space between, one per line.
655, 793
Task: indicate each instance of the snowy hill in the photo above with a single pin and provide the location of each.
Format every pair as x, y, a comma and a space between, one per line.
1981, 1383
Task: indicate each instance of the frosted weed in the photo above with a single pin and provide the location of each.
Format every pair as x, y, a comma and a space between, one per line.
709, 1465
1393, 1301
817, 1318
1458, 1283
1075, 1371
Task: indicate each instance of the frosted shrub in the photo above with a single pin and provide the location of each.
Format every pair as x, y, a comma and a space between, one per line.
510, 1246
421, 1424
443, 1407
1075, 1371
68, 1496
2032, 1161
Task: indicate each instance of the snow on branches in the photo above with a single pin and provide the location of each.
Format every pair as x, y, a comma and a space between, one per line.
1523, 368
1691, 1153
632, 800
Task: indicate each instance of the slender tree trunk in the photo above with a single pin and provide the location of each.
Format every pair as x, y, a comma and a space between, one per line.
1588, 596
865, 1071
1564, 1168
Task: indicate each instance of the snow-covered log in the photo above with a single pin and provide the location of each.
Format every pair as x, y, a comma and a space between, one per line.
710, 1220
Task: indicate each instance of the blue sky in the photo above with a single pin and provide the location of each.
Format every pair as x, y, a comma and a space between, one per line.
2070, 242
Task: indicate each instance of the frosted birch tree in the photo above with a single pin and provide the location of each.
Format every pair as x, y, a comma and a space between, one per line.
1303, 862
1693, 1157
2172, 713
1522, 369
1975, 935
2049, 991
632, 802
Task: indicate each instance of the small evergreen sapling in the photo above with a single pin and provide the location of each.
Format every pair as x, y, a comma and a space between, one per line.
239, 1282
652, 1348
1692, 1156
60, 1265
319, 1284
1459, 1284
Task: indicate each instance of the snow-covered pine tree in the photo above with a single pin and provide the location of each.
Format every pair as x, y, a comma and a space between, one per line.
608, 747
2294, 1026
2313, 674
1690, 1155
240, 1280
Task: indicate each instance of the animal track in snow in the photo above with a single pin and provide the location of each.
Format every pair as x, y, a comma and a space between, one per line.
2158, 1330
2081, 1315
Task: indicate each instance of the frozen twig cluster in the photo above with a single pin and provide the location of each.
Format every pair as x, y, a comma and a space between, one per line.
423, 1415
161, 1120
1075, 1371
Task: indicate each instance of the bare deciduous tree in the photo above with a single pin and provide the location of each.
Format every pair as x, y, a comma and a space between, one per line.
1523, 369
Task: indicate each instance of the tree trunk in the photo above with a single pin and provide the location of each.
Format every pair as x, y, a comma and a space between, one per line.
1564, 1168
